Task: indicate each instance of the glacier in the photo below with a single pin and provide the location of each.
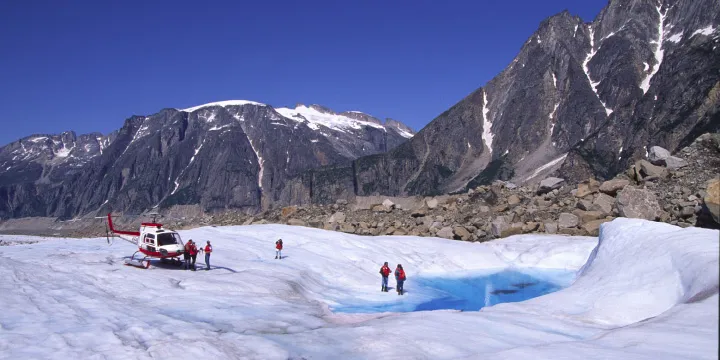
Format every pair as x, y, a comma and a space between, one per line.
642, 290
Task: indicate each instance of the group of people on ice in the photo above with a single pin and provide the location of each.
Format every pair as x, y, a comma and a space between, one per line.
399, 277
190, 254
191, 251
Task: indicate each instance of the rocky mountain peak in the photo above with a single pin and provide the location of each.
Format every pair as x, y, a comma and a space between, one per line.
398, 125
357, 115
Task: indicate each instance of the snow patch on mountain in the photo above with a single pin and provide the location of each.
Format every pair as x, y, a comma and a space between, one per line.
659, 52
259, 160
708, 30
223, 104
487, 124
546, 166
676, 38
177, 181
586, 69
315, 119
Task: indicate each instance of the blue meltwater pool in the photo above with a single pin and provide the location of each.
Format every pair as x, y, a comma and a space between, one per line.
469, 292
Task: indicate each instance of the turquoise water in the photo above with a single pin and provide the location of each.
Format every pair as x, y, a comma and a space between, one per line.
468, 293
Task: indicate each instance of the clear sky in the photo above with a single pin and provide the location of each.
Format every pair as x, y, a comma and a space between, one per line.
89, 65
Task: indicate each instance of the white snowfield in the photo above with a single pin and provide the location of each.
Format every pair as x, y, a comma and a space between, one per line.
316, 119
644, 290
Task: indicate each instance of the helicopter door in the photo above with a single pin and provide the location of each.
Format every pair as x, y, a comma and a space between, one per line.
149, 242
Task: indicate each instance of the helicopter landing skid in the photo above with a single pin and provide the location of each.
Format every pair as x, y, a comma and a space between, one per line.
143, 264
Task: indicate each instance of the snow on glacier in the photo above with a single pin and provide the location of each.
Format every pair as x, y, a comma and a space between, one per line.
74, 298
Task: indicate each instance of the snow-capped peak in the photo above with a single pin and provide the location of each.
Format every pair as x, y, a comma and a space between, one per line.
222, 104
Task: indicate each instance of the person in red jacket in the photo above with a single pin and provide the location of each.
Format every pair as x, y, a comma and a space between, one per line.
208, 250
186, 254
193, 250
278, 249
400, 278
385, 272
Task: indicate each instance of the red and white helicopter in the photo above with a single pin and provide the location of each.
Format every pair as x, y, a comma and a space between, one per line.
153, 241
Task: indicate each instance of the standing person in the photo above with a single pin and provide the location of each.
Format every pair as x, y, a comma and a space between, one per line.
208, 250
385, 272
193, 254
399, 278
186, 254
278, 249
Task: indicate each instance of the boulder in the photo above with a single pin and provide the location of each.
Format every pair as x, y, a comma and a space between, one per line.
550, 184
586, 188
347, 228
513, 229
674, 163
645, 170
296, 222
586, 216
584, 205
603, 203
288, 211
431, 203
498, 226
657, 155
611, 187
388, 204
462, 233
711, 200
567, 220
483, 209
513, 200
446, 232
551, 227
530, 227
637, 203
381, 208
338, 218
399, 232
501, 208
341, 202
593, 227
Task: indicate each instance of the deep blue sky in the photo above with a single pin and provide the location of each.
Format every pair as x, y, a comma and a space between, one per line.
88, 65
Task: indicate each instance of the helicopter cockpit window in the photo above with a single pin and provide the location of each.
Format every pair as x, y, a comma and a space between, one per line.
149, 238
168, 239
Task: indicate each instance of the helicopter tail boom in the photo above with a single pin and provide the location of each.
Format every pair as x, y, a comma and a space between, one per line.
120, 232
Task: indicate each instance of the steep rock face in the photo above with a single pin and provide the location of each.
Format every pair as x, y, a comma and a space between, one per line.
585, 98
677, 98
233, 154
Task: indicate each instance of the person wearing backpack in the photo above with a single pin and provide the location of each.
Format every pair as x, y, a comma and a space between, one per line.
400, 278
278, 249
385, 272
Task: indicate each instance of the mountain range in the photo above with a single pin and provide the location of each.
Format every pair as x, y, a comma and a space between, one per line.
230, 154
579, 100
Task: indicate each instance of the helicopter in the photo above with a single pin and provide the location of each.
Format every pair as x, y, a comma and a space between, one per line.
153, 242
